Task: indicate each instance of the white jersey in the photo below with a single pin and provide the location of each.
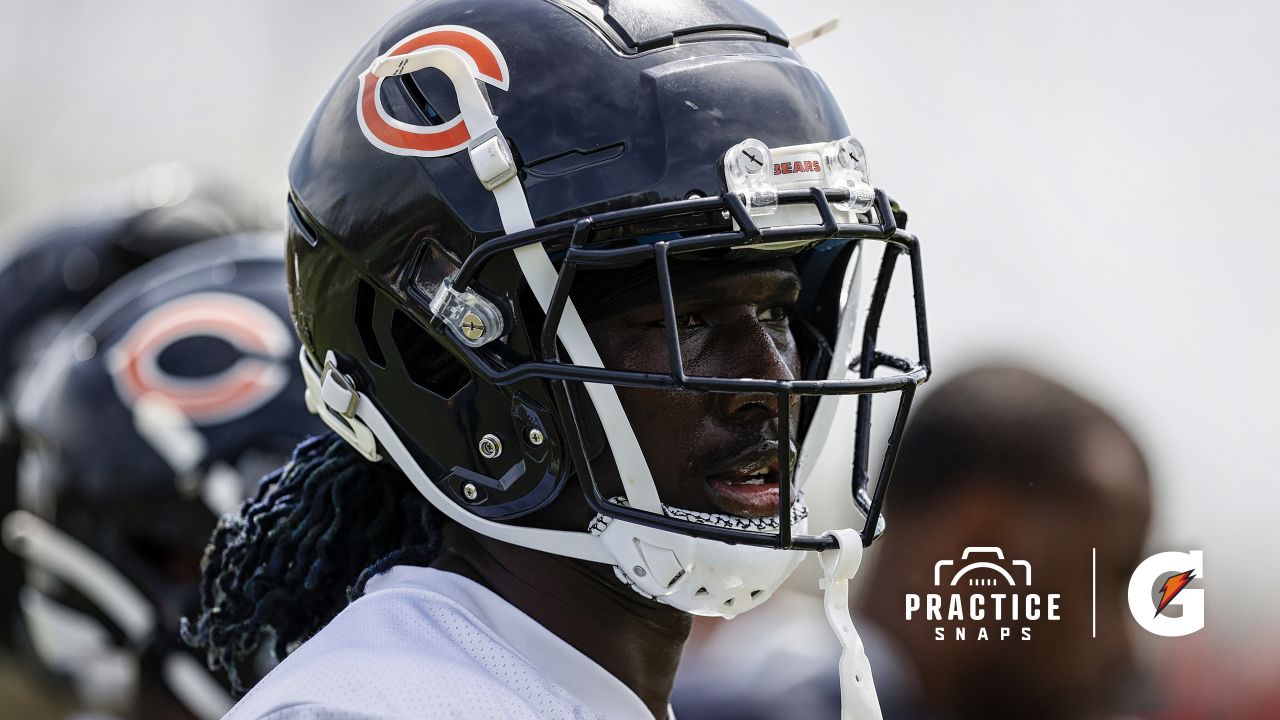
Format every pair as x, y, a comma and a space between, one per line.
426, 644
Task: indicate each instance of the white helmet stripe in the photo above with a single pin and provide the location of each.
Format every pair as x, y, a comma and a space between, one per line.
49, 548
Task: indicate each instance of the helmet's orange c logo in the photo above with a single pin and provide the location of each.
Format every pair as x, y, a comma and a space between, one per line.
252, 381
394, 136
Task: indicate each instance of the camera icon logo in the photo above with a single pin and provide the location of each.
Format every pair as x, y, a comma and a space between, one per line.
985, 573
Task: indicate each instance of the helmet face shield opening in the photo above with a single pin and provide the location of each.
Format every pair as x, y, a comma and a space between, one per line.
836, 363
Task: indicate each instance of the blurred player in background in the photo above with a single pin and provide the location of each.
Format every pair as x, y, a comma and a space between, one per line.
53, 269
155, 411
998, 456
1003, 457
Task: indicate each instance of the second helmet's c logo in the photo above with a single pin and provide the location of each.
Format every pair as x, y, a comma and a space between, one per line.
256, 332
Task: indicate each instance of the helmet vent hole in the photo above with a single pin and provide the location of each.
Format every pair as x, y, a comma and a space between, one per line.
425, 360
729, 602
364, 324
755, 594
700, 592
434, 95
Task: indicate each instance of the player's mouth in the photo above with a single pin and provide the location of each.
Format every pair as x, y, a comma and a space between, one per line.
749, 489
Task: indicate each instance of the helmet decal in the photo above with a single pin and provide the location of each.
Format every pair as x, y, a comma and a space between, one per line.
245, 324
482, 58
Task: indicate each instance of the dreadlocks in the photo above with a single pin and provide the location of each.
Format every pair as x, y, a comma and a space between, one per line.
301, 549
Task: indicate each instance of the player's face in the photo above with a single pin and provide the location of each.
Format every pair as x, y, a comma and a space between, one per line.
709, 452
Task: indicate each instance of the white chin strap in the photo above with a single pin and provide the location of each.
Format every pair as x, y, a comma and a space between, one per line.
69, 641
696, 575
858, 699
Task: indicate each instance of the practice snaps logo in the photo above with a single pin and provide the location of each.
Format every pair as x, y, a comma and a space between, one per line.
983, 588
1159, 597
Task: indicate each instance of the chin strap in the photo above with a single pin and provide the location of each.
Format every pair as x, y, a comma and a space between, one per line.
858, 700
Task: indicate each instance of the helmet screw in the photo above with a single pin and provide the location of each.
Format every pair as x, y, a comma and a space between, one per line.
535, 437
470, 492
472, 327
639, 571
490, 446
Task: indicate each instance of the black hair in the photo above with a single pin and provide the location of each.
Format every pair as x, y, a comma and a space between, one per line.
301, 549
998, 424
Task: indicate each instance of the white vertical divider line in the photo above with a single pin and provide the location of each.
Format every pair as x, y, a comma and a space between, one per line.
1095, 593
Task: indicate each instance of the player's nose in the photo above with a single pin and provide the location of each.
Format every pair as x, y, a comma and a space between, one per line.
749, 408
757, 356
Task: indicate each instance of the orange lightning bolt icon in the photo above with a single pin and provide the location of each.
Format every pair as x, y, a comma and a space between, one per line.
1172, 587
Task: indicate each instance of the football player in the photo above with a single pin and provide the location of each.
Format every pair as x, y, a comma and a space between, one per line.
577, 284
152, 413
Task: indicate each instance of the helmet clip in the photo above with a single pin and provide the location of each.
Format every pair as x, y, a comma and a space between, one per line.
756, 173
748, 168
492, 159
846, 164
332, 396
470, 316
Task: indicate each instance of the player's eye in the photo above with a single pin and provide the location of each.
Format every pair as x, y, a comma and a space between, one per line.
777, 313
689, 320
684, 322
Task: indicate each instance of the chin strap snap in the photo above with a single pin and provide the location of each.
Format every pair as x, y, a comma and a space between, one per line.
858, 700
332, 396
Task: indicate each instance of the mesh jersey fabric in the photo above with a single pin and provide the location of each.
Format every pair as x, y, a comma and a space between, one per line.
427, 644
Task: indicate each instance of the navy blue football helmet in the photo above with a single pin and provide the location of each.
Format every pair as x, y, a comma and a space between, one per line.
477, 159
52, 269
154, 412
